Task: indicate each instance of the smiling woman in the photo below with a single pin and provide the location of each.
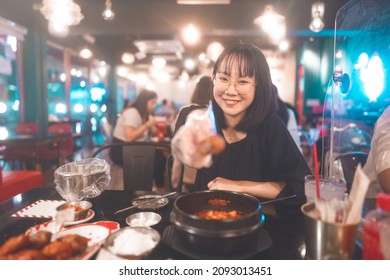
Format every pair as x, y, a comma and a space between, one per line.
260, 157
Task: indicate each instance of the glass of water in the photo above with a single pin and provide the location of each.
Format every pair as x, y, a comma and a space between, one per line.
329, 188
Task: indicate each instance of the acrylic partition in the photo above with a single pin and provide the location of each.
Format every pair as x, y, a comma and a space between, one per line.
358, 90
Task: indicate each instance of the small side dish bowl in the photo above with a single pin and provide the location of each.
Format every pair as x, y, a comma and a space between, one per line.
132, 243
143, 219
81, 208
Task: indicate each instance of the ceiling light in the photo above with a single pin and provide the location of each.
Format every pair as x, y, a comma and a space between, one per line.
86, 53
272, 23
128, 58
159, 62
58, 29
284, 45
317, 14
60, 14
214, 49
122, 71
189, 64
108, 13
269, 19
191, 34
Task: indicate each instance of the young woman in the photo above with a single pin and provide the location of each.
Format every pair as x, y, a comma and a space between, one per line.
260, 157
134, 123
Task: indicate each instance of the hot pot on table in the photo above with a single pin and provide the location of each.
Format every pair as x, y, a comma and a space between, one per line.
216, 236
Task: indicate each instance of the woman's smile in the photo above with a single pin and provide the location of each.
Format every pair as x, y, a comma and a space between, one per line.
230, 102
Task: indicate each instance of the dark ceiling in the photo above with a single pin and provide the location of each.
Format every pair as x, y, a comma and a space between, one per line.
163, 20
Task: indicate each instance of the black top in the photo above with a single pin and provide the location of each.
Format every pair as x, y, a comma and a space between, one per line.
267, 154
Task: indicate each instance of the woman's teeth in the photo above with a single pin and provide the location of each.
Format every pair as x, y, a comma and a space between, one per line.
231, 102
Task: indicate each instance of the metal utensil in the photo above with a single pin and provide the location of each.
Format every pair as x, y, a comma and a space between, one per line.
144, 202
278, 199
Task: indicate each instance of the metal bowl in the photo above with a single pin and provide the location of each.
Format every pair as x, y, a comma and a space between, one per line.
82, 209
143, 219
132, 242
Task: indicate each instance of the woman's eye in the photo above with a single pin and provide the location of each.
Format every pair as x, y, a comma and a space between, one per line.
224, 79
243, 82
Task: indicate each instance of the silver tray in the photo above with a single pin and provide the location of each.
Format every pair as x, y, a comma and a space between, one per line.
154, 203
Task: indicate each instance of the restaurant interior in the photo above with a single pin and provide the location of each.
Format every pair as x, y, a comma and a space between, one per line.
68, 68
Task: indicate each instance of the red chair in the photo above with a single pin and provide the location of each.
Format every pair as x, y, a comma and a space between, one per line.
26, 129
53, 150
67, 146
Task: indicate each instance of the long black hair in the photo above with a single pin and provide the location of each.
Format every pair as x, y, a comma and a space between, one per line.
141, 102
251, 62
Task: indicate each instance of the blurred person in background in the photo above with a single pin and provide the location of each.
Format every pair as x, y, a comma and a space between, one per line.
260, 157
137, 123
377, 167
166, 110
288, 117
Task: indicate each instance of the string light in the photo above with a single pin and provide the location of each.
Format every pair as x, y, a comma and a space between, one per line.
108, 13
317, 13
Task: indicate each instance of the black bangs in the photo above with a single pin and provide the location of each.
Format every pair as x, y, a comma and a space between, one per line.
241, 58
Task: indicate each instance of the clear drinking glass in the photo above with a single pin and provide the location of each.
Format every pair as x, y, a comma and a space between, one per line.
329, 188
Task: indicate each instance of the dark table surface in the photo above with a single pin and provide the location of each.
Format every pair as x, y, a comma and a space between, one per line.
284, 229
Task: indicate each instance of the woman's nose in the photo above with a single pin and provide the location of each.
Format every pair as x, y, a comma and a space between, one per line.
231, 88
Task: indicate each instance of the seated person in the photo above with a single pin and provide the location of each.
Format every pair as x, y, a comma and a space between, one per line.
136, 123
165, 110
377, 167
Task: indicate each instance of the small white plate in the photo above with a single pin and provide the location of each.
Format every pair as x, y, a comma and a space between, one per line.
90, 215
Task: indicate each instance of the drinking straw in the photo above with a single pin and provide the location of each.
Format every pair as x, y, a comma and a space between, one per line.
316, 171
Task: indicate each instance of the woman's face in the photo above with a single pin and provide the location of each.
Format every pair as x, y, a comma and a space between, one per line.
151, 104
234, 94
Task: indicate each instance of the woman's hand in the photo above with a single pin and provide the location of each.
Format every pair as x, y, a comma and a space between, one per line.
184, 147
195, 142
223, 184
150, 122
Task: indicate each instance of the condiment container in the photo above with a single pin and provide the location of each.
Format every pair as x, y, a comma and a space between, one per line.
376, 236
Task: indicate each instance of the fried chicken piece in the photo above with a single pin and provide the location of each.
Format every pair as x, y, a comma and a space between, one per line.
14, 244
27, 254
58, 250
214, 144
39, 239
78, 242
